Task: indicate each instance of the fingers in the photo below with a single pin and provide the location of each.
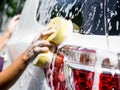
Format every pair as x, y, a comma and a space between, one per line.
39, 47
36, 39
16, 17
42, 43
48, 32
44, 34
39, 44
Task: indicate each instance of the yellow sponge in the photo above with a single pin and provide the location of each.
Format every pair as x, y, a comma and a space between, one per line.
63, 28
43, 59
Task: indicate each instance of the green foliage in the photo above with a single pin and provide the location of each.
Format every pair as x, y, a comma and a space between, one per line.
1, 6
13, 7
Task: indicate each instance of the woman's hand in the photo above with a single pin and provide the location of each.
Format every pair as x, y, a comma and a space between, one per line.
39, 45
13, 23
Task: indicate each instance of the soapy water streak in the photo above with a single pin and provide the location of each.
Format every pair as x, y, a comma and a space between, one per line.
105, 22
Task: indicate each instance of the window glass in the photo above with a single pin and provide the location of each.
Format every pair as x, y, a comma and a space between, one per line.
97, 17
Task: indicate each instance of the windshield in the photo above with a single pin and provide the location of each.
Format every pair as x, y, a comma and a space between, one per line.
99, 17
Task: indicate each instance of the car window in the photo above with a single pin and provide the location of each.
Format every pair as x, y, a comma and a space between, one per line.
97, 17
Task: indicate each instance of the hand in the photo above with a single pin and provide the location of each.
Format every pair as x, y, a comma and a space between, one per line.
13, 23
39, 45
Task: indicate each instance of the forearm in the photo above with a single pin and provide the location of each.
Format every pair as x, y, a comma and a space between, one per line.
10, 75
4, 38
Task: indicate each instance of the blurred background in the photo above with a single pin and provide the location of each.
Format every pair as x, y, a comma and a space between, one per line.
9, 8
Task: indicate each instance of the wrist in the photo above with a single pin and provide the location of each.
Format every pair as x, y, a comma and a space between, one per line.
8, 33
26, 57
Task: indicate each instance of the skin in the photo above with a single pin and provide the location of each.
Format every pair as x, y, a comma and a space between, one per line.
11, 27
12, 73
